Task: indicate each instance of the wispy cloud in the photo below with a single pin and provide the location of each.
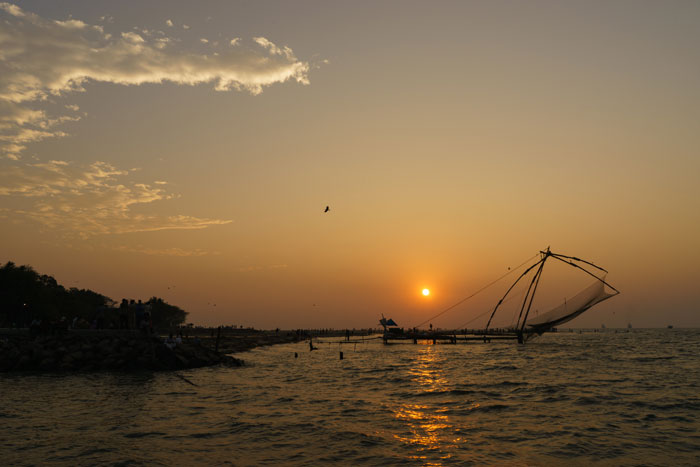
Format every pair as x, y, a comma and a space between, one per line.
167, 251
88, 200
41, 58
262, 268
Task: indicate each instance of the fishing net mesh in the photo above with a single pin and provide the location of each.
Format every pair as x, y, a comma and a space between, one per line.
571, 308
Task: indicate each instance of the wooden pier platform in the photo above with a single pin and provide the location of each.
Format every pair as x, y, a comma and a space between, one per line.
443, 337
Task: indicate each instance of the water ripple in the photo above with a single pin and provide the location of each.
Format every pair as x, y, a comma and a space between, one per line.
591, 398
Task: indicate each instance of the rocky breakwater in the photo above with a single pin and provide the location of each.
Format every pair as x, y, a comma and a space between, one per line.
244, 342
102, 350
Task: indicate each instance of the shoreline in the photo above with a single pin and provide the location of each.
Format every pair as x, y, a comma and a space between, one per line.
23, 350
101, 350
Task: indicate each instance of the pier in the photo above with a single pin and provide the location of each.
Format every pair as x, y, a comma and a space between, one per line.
448, 337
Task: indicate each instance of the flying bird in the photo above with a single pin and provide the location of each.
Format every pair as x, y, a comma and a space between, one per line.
327, 209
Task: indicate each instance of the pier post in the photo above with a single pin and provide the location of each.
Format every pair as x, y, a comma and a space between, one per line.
218, 336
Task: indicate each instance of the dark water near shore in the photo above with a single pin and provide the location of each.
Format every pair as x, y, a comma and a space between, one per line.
592, 398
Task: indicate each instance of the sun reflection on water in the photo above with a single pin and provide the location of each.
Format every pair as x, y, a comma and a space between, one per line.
428, 372
427, 428
428, 431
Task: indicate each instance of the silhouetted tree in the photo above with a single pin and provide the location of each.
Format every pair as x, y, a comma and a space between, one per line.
164, 314
25, 295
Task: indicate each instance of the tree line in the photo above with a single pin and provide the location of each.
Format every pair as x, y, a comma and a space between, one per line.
26, 295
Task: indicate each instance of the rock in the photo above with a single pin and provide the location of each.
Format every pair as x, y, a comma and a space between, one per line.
47, 364
23, 363
6, 363
104, 350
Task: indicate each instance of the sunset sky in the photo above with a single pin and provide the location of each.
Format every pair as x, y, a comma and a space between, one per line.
187, 150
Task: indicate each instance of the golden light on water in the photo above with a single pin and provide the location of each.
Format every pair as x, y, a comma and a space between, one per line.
427, 428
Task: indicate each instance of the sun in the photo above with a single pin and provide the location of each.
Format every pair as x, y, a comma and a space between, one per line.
426, 292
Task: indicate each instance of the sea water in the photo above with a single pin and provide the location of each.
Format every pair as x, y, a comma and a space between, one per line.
607, 398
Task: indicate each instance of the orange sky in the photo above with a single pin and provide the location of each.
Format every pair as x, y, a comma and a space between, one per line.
188, 151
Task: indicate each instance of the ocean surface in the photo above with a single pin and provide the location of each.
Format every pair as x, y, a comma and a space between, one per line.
604, 398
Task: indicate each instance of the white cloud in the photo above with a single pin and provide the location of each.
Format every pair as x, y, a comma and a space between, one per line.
161, 42
87, 200
13, 150
132, 37
73, 24
41, 58
273, 49
14, 10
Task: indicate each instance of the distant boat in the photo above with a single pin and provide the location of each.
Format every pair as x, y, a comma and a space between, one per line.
629, 325
670, 326
602, 326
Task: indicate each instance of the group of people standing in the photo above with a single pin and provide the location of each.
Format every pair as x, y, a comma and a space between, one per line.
135, 315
